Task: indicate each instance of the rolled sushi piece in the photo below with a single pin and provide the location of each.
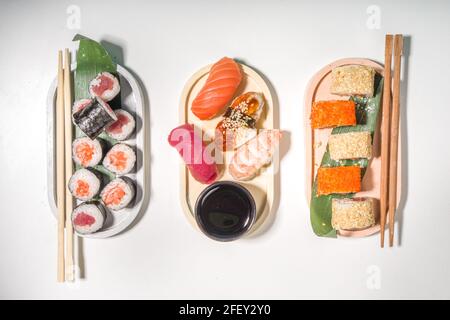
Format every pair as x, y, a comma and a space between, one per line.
120, 159
88, 217
352, 213
84, 184
118, 193
80, 105
350, 145
87, 152
333, 113
338, 180
104, 86
353, 80
123, 127
94, 117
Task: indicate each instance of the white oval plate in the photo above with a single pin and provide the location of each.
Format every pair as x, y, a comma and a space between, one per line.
133, 101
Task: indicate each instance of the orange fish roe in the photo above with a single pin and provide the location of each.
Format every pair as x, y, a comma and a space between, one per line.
119, 160
333, 113
84, 152
82, 189
338, 180
113, 196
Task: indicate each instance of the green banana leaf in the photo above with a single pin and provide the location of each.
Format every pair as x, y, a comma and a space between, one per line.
367, 110
92, 58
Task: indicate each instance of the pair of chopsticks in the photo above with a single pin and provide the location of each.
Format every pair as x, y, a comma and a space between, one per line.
390, 132
64, 168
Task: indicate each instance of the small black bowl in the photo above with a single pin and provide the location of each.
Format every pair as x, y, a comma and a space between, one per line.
225, 211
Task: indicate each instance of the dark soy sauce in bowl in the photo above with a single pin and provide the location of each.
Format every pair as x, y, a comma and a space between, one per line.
225, 211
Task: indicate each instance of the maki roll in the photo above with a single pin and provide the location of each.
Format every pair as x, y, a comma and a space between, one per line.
352, 214
94, 117
84, 184
123, 127
120, 159
350, 145
104, 86
118, 193
338, 180
80, 104
333, 113
88, 217
353, 80
87, 152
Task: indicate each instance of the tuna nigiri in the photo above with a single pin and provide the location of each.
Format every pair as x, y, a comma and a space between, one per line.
253, 155
192, 149
223, 80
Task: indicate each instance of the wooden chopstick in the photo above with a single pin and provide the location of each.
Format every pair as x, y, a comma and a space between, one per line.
385, 135
60, 176
68, 164
398, 48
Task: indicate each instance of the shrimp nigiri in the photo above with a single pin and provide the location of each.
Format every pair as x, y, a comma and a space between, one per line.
222, 83
253, 155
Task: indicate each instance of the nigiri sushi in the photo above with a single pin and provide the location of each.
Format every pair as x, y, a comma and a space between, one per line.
238, 124
223, 80
192, 149
254, 154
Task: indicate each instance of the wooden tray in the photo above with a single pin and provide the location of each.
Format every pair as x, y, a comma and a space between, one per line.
264, 187
132, 101
316, 141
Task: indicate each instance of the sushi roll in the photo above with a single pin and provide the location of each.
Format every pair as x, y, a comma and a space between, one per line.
120, 159
338, 180
353, 80
118, 193
123, 127
84, 184
352, 214
87, 152
350, 145
104, 86
94, 117
88, 217
333, 113
80, 105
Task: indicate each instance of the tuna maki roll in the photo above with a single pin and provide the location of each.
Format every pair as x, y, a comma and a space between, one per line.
84, 184
88, 217
120, 159
104, 86
123, 127
87, 152
118, 193
94, 117
80, 105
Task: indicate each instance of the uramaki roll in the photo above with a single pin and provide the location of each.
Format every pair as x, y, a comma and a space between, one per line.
338, 180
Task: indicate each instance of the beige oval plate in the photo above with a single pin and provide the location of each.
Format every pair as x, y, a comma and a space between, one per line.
264, 187
316, 142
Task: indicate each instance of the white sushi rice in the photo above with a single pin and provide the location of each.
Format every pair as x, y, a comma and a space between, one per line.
80, 104
85, 142
126, 191
109, 93
120, 159
120, 131
85, 177
92, 212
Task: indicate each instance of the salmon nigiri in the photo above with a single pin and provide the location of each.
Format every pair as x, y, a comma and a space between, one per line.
223, 80
255, 154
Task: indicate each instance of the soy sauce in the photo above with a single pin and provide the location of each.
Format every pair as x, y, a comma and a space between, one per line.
225, 211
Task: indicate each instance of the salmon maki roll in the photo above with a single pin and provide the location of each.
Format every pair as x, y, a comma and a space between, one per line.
255, 154
118, 193
87, 152
120, 159
338, 180
223, 80
84, 184
333, 113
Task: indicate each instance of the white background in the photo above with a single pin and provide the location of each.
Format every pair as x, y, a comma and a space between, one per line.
162, 256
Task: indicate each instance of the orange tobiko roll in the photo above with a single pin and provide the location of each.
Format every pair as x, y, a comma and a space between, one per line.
338, 180
333, 113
